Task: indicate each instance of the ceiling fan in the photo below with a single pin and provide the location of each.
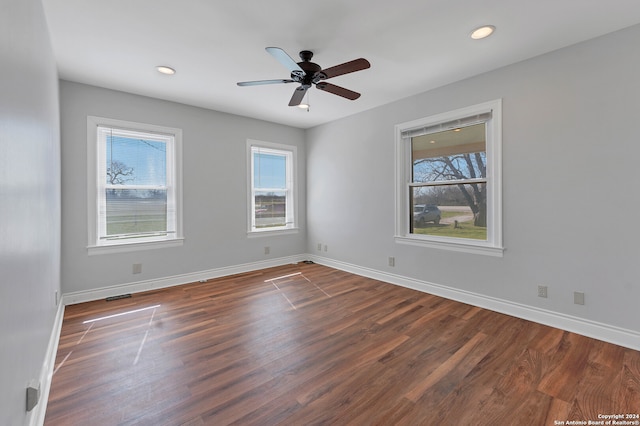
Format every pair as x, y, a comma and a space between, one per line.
308, 73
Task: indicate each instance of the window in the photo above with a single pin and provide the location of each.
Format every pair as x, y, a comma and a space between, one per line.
134, 185
448, 180
272, 175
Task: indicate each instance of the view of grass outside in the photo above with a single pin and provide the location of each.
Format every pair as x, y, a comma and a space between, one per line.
464, 228
136, 224
270, 210
132, 211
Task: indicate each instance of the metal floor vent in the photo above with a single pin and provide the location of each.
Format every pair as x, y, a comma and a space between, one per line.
120, 296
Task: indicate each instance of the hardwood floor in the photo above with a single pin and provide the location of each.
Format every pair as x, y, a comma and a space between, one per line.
310, 345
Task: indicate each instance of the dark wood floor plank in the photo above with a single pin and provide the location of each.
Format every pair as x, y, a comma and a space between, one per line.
309, 345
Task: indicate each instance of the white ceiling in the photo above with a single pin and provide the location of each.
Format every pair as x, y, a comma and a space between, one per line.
413, 46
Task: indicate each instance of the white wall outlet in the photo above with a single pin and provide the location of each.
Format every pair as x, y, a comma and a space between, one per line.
319, 246
542, 291
326, 248
578, 298
392, 261
137, 268
267, 250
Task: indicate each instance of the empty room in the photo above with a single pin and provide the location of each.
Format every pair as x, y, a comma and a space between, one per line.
336, 213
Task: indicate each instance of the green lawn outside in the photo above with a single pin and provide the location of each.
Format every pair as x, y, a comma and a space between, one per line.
464, 230
136, 223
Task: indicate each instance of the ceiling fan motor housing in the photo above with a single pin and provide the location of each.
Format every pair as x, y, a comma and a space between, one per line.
311, 70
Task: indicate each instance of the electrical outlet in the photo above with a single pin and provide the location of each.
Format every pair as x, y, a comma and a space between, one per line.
137, 268
392, 261
578, 298
267, 250
33, 394
326, 248
542, 291
319, 246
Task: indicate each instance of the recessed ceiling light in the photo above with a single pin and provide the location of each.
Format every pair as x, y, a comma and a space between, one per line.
165, 70
482, 32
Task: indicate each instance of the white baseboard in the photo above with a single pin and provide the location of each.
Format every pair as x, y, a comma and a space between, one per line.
36, 417
157, 283
596, 330
608, 333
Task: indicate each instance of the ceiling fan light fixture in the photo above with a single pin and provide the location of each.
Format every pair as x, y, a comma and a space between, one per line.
163, 69
482, 32
305, 104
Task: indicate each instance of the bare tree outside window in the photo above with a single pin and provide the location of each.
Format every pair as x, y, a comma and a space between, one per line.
119, 173
449, 175
463, 167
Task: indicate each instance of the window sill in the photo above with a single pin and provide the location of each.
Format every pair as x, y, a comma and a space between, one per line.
465, 247
134, 246
272, 232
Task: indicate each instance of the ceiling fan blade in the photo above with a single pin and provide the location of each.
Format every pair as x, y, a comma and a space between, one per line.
337, 90
298, 95
260, 82
286, 60
346, 68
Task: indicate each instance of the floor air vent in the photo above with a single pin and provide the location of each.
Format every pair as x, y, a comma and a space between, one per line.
120, 296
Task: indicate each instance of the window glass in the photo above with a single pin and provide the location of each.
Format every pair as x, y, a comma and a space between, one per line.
272, 197
136, 185
440, 206
136, 192
445, 211
135, 213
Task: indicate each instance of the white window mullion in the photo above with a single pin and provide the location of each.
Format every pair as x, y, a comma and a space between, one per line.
447, 182
101, 184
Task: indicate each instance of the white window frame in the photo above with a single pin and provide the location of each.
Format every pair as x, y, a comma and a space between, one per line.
291, 154
96, 186
493, 244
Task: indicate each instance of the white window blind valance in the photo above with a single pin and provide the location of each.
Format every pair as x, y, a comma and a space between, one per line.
448, 125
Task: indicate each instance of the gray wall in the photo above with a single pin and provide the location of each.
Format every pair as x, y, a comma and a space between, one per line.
29, 201
214, 183
570, 175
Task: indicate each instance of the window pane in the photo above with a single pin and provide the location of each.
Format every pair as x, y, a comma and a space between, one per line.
136, 211
269, 170
450, 211
135, 161
270, 209
450, 155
